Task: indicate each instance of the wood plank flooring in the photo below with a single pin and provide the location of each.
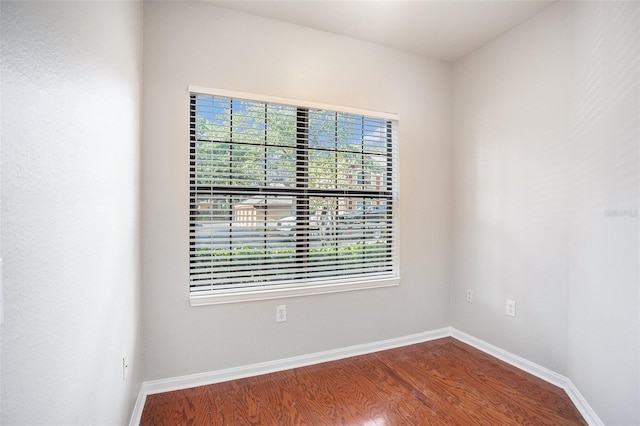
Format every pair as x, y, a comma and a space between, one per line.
442, 382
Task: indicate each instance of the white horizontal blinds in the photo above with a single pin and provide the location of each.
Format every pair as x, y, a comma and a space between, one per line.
286, 195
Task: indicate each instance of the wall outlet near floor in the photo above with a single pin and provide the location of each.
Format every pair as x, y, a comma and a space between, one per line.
511, 308
281, 313
469, 296
124, 367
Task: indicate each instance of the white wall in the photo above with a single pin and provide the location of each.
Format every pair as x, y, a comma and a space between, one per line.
604, 139
71, 82
511, 190
546, 131
199, 44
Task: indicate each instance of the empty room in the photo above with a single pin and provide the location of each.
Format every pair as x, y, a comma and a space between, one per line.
320, 212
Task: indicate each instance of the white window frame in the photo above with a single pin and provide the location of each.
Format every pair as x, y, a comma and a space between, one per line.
223, 296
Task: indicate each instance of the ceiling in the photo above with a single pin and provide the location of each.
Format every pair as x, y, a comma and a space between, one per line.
443, 29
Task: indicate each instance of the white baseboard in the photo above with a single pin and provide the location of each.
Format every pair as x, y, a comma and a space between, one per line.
537, 370
519, 362
136, 415
211, 377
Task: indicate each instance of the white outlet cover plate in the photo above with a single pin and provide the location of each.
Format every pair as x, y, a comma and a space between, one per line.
281, 313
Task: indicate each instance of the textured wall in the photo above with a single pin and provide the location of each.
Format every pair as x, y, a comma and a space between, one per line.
199, 44
71, 82
545, 198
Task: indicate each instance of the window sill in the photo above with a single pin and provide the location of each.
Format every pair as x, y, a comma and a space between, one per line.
235, 296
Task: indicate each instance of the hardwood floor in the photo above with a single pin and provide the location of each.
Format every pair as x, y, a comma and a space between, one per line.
442, 382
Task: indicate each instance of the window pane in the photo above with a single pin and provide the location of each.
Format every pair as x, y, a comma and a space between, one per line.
248, 122
212, 165
350, 133
281, 125
322, 129
322, 169
247, 165
281, 167
375, 136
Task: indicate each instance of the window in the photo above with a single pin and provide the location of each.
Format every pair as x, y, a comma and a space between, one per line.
288, 199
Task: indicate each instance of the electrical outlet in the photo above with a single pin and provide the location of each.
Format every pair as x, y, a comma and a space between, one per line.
124, 367
511, 308
469, 296
281, 313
